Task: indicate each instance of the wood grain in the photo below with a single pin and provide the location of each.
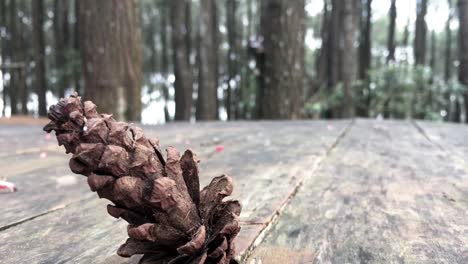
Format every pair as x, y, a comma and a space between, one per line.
385, 194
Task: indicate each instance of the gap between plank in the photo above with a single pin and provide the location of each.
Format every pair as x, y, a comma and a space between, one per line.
274, 219
52, 210
455, 156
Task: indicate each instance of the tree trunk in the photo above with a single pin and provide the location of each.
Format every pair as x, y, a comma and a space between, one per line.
391, 32
349, 62
62, 38
182, 69
365, 44
18, 88
39, 54
207, 56
420, 33
283, 30
448, 62
448, 45
5, 51
233, 58
433, 58
76, 47
463, 49
165, 57
333, 55
111, 52
365, 59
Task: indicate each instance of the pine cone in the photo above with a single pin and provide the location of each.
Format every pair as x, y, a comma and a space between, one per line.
170, 220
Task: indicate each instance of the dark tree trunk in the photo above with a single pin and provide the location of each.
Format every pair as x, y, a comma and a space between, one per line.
391, 32
5, 51
321, 64
39, 54
14, 39
349, 61
111, 52
18, 88
62, 39
76, 47
182, 69
433, 58
463, 49
333, 55
165, 57
448, 62
23, 92
365, 44
448, 45
283, 30
207, 105
420, 33
365, 59
233, 58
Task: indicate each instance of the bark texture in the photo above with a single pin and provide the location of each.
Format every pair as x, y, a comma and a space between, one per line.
420, 33
182, 68
39, 54
234, 95
170, 219
111, 52
207, 101
283, 30
62, 41
391, 32
18, 86
463, 48
349, 62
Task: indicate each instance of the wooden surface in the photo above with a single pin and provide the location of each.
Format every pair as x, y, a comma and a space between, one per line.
362, 191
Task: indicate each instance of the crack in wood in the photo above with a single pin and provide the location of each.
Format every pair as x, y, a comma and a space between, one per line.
274, 218
27, 219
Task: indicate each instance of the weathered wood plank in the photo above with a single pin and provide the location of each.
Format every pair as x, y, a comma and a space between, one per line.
267, 160
46, 183
384, 195
451, 137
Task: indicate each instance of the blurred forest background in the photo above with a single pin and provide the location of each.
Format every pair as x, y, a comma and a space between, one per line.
161, 60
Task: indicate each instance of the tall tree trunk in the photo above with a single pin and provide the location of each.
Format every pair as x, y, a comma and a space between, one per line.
39, 54
207, 105
463, 49
18, 87
4, 51
391, 32
22, 53
365, 59
62, 39
165, 57
420, 33
76, 47
333, 55
365, 44
14, 39
321, 63
349, 62
233, 58
433, 58
448, 45
448, 62
182, 69
283, 29
111, 52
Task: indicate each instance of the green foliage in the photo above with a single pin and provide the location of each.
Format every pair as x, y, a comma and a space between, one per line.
393, 91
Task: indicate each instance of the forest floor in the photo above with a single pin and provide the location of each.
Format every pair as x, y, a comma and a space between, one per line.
347, 191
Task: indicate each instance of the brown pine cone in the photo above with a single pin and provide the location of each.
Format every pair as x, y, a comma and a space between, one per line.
170, 219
